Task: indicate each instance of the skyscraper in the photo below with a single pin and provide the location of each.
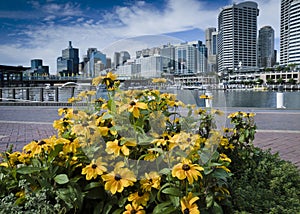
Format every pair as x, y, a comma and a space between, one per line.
265, 47
237, 35
68, 63
289, 32
211, 45
294, 42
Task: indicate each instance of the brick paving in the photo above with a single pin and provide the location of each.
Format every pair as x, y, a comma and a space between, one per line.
287, 144
278, 130
19, 134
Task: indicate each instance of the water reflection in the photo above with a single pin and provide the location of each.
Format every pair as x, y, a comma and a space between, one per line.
240, 98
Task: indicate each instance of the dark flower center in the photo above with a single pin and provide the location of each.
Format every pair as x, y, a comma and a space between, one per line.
75, 112
132, 103
85, 124
186, 167
133, 212
94, 166
118, 177
140, 193
186, 211
188, 139
41, 143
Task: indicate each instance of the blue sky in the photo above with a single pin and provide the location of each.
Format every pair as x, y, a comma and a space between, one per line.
41, 29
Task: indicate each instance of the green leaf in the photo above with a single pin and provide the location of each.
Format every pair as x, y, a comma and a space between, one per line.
209, 200
217, 208
25, 170
118, 211
96, 193
220, 173
61, 179
172, 191
107, 116
91, 185
165, 171
161, 207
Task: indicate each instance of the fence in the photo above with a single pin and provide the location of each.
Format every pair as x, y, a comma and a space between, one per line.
41, 94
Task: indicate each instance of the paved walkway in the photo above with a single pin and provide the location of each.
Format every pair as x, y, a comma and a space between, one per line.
278, 130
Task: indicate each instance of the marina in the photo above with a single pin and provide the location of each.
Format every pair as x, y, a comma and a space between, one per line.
238, 97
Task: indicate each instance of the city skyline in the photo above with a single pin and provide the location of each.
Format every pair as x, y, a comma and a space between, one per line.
41, 29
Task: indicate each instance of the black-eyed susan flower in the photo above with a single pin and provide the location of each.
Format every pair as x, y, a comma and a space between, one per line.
69, 146
166, 142
118, 179
135, 106
151, 180
223, 157
94, 169
134, 208
186, 169
36, 147
204, 96
119, 145
188, 205
235, 114
248, 115
151, 156
107, 79
159, 80
186, 140
139, 197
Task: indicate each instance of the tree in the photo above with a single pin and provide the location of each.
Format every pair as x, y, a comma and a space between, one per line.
270, 81
292, 81
259, 81
280, 81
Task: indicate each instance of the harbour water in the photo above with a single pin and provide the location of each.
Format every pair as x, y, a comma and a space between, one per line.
240, 98
221, 99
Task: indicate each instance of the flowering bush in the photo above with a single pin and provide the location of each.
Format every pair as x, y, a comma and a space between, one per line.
135, 152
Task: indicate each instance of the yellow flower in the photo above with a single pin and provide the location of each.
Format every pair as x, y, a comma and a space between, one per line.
186, 169
69, 146
224, 157
166, 142
94, 169
134, 107
236, 114
248, 115
134, 208
139, 198
159, 80
188, 204
117, 180
118, 146
186, 140
36, 147
151, 156
62, 125
151, 180
224, 168
108, 79
204, 96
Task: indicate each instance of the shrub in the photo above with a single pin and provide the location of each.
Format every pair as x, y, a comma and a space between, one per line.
134, 152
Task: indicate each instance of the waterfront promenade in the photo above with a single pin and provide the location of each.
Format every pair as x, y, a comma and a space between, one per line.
277, 129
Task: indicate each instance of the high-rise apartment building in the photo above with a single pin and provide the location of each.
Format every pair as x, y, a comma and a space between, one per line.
265, 47
190, 58
68, 63
237, 35
168, 58
120, 58
289, 32
211, 45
